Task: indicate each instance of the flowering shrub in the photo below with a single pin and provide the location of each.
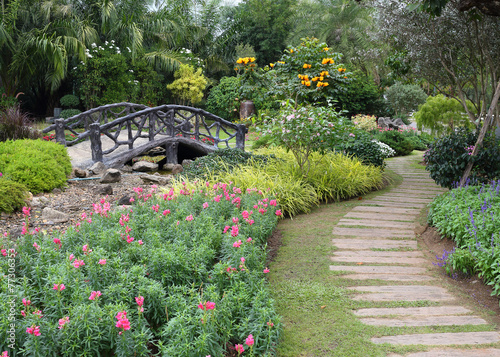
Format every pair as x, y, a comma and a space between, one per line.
367, 151
386, 150
397, 141
365, 122
163, 272
307, 129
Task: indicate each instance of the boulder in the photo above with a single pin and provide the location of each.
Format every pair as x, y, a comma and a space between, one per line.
155, 179
104, 190
111, 176
125, 200
53, 215
186, 162
80, 173
177, 169
97, 168
144, 166
127, 169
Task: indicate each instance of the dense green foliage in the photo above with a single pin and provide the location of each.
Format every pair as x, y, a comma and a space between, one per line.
367, 151
13, 195
16, 124
448, 156
189, 85
404, 98
469, 215
222, 99
442, 114
397, 141
361, 95
69, 101
38, 164
68, 113
181, 265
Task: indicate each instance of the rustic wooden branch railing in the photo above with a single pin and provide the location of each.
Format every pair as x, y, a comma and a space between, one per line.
139, 121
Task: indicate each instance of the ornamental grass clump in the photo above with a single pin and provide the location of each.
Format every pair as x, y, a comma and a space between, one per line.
178, 273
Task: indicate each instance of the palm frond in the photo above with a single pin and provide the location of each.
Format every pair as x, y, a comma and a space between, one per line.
166, 60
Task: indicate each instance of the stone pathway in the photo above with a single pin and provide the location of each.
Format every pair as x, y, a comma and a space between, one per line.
376, 241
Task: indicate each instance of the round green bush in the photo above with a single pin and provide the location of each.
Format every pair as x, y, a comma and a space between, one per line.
70, 101
12, 195
38, 164
68, 113
367, 151
448, 156
222, 98
396, 140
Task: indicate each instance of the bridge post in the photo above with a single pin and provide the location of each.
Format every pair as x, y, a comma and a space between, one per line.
152, 119
171, 151
95, 142
240, 136
60, 137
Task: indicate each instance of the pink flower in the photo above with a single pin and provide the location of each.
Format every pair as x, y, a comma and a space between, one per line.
38, 313
59, 287
235, 220
249, 239
5, 353
270, 324
71, 257
33, 330
63, 322
26, 302
26, 211
4, 252
78, 263
189, 218
85, 248
207, 305
205, 205
266, 271
242, 260
262, 210
130, 239
239, 349
167, 211
237, 244
249, 341
131, 199
251, 221
58, 242
352, 135
278, 212
140, 242
226, 228
122, 322
273, 203
156, 207
94, 295
245, 214
235, 231
102, 261
23, 313
37, 247
139, 300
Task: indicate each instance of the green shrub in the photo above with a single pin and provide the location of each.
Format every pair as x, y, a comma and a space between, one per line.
222, 100
69, 101
448, 156
361, 95
39, 165
262, 142
404, 98
12, 195
15, 125
68, 113
367, 151
397, 141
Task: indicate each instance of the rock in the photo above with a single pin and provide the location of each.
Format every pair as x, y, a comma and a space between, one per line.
104, 190
97, 168
125, 200
154, 179
15, 232
186, 162
80, 173
177, 169
168, 167
35, 202
50, 214
127, 169
111, 176
44, 200
56, 191
144, 166
388, 123
156, 151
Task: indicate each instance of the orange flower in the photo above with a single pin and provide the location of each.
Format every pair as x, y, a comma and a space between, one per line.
291, 50
324, 73
271, 65
314, 79
325, 49
308, 83
239, 61
306, 65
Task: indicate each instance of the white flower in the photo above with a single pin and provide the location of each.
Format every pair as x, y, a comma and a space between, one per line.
112, 41
75, 68
89, 55
93, 45
131, 70
105, 43
129, 49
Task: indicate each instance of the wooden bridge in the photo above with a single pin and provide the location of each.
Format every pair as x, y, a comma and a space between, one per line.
131, 129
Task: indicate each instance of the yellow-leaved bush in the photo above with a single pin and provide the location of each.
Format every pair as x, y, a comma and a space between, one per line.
189, 85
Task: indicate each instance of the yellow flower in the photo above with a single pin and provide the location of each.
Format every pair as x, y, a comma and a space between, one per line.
325, 49
306, 65
239, 61
303, 82
321, 78
325, 84
281, 62
324, 73
300, 76
306, 77
340, 69
308, 83
291, 50
326, 60
319, 84
271, 65
314, 79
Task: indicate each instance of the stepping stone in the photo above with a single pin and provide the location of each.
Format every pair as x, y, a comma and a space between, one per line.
413, 194
409, 211
483, 352
364, 244
413, 311
379, 260
389, 277
380, 269
402, 292
421, 180
447, 338
373, 232
376, 223
392, 198
380, 216
377, 254
394, 204
425, 321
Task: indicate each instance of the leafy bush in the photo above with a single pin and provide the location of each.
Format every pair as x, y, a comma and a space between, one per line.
441, 114
12, 195
404, 98
448, 156
16, 125
7, 101
397, 141
386, 150
69, 101
365, 122
262, 142
469, 215
367, 151
178, 275
189, 85
68, 113
361, 95
39, 165
222, 99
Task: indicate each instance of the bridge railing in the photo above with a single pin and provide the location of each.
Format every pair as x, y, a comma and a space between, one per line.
142, 122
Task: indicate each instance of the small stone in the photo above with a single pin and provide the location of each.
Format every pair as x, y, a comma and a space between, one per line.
144, 166
44, 200
168, 167
80, 173
15, 232
177, 169
154, 179
56, 191
127, 169
104, 190
54, 215
111, 176
187, 162
125, 200
97, 168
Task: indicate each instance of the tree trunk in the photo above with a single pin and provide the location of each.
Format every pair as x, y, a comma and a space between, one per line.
486, 126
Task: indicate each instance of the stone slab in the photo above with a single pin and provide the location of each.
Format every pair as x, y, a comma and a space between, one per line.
447, 338
421, 180
424, 321
379, 269
377, 254
380, 216
373, 232
375, 223
402, 292
394, 204
393, 210
414, 194
413, 311
482, 352
389, 277
379, 260
364, 244
407, 199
